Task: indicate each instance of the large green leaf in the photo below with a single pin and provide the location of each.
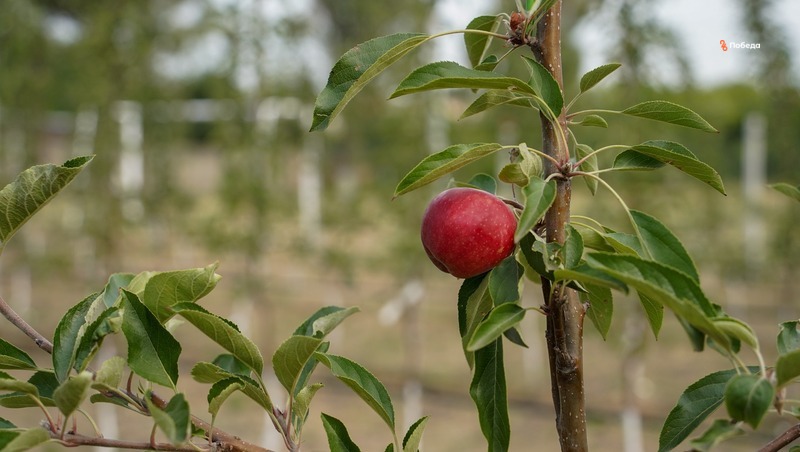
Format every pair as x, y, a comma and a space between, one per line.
69, 396
585, 274
22, 440
539, 196
448, 74
501, 318
152, 352
696, 403
504, 281
545, 86
116, 282
666, 286
31, 190
94, 334
219, 393
357, 67
478, 43
631, 160
593, 77
660, 110
338, 438
662, 246
173, 419
488, 391
291, 357
788, 337
748, 398
205, 372
677, 155
223, 332
68, 334
363, 383
163, 290
442, 163
13, 358
495, 97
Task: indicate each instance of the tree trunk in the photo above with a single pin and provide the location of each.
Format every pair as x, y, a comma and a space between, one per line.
565, 312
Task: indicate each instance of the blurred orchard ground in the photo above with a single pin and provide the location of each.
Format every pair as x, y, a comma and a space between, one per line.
198, 113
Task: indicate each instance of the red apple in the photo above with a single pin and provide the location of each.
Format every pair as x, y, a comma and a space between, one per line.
467, 232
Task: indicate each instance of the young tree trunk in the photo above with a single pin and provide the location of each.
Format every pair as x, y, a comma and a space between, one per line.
565, 312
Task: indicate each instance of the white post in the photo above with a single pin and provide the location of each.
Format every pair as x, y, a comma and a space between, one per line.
131, 159
754, 175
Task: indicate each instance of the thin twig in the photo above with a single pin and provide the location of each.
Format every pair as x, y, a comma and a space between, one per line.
20, 323
782, 441
73, 440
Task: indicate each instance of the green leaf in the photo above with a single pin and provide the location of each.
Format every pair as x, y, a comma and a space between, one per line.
338, 438
474, 302
7, 383
413, 436
514, 173
545, 86
483, 181
13, 358
663, 285
592, 121
92, 338
539, 196
166, 289
678, 156
223, 332
659, 110
592, 238
322, 326
6, 424
488, 63
363, 383
30, 191
442, 163
631, 160
71, 394
219, 393
204, 372
173, 420
720, 430
231, 364
68, 334
495, 97
45, 383
572, 251
291, 357
495, 324
737, 330
787, 367
477, 44
152, 352
601, 307
115, 282
788, 337
504, 281
302, 401
110, 373
357, 67
788, 190
654, 312
488, 391
593, 77
662, 245
448, 74
585, 274
21, 440
748, 398
696, 403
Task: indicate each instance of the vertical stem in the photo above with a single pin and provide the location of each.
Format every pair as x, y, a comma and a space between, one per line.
565, 311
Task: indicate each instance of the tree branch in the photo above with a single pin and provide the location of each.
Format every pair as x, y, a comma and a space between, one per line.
225, 442
74, 439
782, 441
565, 312
41, 341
